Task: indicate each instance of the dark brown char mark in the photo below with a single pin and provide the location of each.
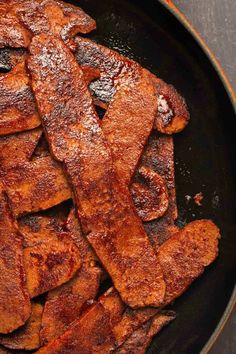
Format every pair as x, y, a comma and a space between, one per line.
105, 208
17, 106
21, 19
64, 304
14, 297
172, 115
159, 156
140, 339
29, 192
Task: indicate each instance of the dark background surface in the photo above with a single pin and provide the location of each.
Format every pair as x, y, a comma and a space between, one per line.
215, 21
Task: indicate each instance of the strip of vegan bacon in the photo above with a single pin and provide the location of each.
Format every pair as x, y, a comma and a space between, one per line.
105, 208
140, 339
15, 306
26, 337
35, 185
183, 258
172, 115
20, 19
64, 304
17, 107
159, 156
18, 148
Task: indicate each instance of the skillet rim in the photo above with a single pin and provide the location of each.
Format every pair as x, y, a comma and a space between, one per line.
168, 4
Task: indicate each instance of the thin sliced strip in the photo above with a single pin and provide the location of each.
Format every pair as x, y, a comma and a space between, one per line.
172, 115
159, 156
104, 205
50, 264
26, 337
17, 107
64, 304
29, 192
14, 297
151, 197
184, 256
20, 19
40, 228
18, 148
92, 333
183, 259
140, 339
129, 120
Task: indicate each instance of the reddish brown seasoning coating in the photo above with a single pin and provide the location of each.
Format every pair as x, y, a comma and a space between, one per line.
92, 333
172, 115
50, 264
184, 257
20, 19
18, 148
26, 337
128, 121
105, 209
29, 192
140, 339
64, 304
159, 156
14, 298
17, 106
150, 199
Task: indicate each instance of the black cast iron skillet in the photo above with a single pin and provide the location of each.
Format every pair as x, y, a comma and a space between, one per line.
204, 153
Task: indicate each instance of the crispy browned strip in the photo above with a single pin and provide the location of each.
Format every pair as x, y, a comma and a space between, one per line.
184, 257
9, 58
150, 199
130, 115
17, 106
64, 304
172, 114
50, 264
140, 339
22, 18
159, 156
14, 298
35, 185
90, 334
128, 122
104, 205
27, 337
18, 148
41, 228
13, 34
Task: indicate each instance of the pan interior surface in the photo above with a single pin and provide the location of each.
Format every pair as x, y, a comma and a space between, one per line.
204, 152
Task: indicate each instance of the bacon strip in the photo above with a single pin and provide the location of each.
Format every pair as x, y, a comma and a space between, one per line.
140, 339
20, 19
105, 209
18, 148
183, 258
172, 115
17, 106
29, 192
26, 337
64, 304
14, 298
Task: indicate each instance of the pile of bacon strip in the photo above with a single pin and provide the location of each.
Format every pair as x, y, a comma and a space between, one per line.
89, 251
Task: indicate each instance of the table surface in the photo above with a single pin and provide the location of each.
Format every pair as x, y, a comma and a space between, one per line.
215, 21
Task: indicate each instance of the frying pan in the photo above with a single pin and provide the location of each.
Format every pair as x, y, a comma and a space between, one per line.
156, 35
